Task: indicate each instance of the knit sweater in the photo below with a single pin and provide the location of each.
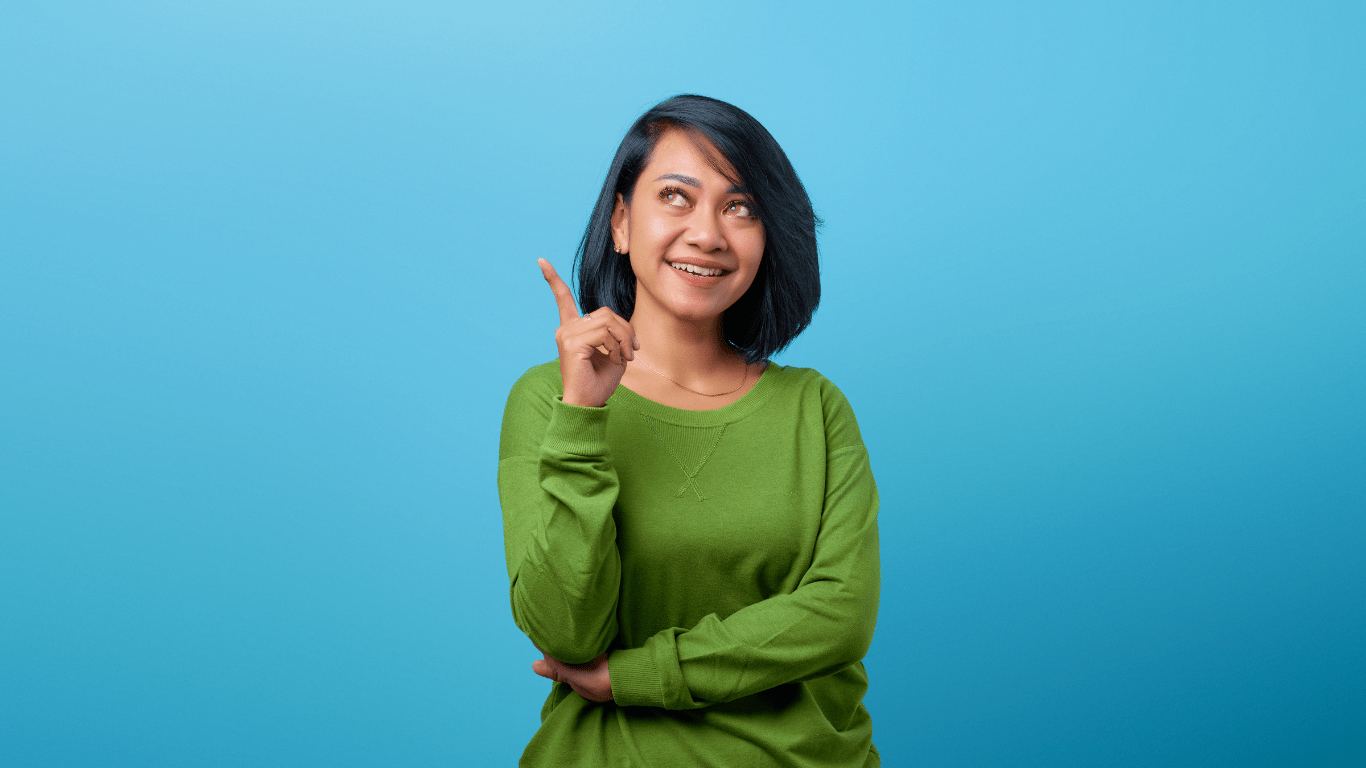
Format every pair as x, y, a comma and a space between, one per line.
726, 559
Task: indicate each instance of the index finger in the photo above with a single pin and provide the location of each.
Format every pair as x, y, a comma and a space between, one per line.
563, 298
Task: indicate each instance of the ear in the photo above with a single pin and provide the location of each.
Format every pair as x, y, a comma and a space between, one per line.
621, 225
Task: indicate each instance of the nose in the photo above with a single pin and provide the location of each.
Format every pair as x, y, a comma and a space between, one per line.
704, 231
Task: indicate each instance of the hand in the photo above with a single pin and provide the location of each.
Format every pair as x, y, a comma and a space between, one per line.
593, 349
590, 680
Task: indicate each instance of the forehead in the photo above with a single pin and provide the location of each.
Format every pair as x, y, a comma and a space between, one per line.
691, 153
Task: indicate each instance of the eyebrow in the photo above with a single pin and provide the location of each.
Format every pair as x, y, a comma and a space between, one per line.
735, 189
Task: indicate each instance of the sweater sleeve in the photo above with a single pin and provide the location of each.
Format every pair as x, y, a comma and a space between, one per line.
557, 487
821, 627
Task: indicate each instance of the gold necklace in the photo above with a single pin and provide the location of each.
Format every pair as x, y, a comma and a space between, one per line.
690, 389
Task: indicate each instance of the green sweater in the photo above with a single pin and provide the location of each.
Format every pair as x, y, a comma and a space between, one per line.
727, 559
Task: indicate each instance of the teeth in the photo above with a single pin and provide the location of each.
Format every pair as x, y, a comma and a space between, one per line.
696, 270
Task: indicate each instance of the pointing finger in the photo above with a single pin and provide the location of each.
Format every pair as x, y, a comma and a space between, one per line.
563, 298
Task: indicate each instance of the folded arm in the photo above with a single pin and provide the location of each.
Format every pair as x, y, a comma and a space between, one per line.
821, 627
557, 487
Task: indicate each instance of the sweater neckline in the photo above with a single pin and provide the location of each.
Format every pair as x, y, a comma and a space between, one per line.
748, 403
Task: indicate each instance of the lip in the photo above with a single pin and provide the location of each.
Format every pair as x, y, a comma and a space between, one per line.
696, 281
695, 262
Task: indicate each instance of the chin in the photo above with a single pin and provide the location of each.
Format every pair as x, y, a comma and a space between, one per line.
696, 311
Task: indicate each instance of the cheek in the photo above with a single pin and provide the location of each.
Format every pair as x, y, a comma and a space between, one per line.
637, 260
650, 230
749, 245
660, 231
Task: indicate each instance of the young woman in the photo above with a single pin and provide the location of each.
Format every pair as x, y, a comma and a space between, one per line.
690, 530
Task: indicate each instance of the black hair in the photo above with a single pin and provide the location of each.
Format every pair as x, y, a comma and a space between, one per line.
779, 304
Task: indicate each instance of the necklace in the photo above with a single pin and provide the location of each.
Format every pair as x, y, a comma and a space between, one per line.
695, 392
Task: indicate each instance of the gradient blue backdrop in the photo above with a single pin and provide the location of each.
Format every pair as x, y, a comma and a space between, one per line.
1095, 281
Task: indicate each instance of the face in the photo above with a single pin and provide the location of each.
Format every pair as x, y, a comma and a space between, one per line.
690, 232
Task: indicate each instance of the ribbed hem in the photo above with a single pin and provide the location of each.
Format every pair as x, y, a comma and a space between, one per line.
576, 430
635, 678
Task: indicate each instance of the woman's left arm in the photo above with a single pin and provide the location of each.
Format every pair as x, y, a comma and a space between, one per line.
821, 627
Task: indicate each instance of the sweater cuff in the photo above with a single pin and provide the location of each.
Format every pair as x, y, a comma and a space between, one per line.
635, 678
576, 430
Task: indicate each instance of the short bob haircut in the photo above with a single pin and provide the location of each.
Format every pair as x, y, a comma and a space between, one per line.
779, 304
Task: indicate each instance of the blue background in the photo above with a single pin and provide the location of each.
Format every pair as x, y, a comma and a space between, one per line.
1095, 283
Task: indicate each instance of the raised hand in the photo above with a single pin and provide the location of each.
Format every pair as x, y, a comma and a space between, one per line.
594, 349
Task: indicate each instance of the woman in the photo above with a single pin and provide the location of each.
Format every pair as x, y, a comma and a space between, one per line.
691, 531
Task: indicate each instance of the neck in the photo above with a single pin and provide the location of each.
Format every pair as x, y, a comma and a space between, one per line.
681, 348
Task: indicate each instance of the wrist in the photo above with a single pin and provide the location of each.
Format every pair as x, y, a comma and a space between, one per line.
581, 402
577, 430
635, 678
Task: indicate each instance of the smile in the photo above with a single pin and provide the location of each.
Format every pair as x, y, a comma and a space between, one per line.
696, 270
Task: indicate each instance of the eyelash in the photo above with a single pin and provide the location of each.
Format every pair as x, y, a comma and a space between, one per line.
747, 206
665, 192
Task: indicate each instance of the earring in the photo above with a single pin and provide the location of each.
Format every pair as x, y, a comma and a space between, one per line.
616, 247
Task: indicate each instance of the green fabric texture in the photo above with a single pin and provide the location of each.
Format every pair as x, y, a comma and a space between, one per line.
726, 559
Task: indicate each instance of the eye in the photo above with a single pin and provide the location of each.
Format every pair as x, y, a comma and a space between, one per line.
673, 196
740, 208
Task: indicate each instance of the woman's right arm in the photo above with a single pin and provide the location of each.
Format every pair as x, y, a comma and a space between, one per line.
557, 485
557, 488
